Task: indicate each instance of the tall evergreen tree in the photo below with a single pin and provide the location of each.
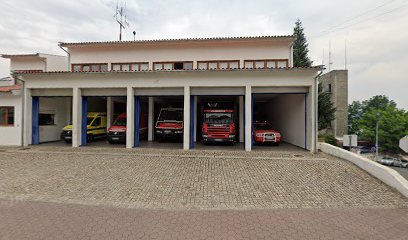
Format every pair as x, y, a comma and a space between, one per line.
326, 111
300, 48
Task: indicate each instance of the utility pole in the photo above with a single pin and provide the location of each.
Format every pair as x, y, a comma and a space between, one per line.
376, 141
120, 17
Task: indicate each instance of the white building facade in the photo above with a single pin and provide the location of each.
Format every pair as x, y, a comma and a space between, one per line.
255, 75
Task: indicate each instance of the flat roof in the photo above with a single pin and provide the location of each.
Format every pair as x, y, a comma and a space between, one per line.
41, 55
179, 40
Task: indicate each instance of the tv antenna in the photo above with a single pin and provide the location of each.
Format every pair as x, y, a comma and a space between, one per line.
120, 16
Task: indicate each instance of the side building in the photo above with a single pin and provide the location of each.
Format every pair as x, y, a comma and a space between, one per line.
11, 92
336, 82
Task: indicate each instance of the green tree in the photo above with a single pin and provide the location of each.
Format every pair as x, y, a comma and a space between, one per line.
300, 47
355, 112
326, 110
393, 122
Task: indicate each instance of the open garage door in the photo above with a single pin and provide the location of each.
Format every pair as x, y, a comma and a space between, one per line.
280, 118
217, 118
51, 112
159, 111
104, 117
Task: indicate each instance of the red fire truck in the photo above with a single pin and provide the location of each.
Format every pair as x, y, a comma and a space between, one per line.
170, 125
218, 126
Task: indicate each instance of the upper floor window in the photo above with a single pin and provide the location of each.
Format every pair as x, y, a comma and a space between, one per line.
206, 65
269, 63
137, 66
6, 116
93, 67
173, 65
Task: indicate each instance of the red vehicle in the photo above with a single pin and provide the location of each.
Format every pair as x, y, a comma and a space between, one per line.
218, 126
264, 133
169, 124
117, 132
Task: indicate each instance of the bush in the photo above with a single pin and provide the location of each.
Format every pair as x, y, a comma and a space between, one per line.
328, 138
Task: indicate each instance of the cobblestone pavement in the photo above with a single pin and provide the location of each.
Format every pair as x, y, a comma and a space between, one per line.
173, 179
36, 220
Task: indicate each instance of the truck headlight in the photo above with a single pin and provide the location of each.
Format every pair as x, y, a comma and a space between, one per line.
259, 135
159, 131
178, 132
232, 136
205, 136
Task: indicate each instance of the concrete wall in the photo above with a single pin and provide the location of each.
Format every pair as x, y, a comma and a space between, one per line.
12, 136
338, 79
287, 113
61, 107
182, 52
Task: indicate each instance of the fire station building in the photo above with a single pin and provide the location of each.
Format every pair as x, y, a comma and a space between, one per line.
253, 77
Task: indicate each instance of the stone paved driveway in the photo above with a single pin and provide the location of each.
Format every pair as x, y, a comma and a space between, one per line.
152, 179
54, 221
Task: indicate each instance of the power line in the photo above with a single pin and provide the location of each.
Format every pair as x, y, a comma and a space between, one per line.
338, 26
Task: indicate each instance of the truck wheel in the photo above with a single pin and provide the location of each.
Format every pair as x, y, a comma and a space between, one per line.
89, 138
159, 138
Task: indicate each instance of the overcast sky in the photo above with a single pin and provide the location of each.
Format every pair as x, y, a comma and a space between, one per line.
375, 30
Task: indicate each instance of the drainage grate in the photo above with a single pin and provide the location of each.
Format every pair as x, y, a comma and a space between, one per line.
298, 156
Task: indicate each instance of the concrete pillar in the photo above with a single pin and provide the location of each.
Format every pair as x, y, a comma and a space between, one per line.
314, 107
130, 119
109, 112
28, 117
241, 119
150, 123
195, 118
186, 130
248, 118
76, 117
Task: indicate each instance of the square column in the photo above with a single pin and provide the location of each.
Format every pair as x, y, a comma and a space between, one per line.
76, 117
27, 118
130, 118
109, 112
150, 123
186, 124
241, 120
248, 118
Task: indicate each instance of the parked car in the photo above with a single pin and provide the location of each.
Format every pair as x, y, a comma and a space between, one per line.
117, 132
365, 149
388, 161
400, 163
96, 127
264, 133
169, 124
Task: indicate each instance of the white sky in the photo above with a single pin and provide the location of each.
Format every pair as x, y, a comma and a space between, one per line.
375, 30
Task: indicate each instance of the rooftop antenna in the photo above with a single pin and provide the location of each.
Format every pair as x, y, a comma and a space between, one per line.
345, 54
330, 56
120, 16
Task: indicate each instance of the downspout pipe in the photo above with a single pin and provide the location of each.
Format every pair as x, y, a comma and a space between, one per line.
69, 57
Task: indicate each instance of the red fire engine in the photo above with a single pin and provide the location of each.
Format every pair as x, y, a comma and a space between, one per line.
218, 126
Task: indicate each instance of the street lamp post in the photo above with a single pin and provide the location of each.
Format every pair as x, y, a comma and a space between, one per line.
376, 141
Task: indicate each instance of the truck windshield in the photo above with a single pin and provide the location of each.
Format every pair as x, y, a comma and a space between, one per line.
89, 120
121, 121
171, 115
263, 126
218, 118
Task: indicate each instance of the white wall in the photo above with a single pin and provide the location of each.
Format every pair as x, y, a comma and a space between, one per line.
287, 113
56, 63
27, 63
61, 107
181, 52
11, 136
